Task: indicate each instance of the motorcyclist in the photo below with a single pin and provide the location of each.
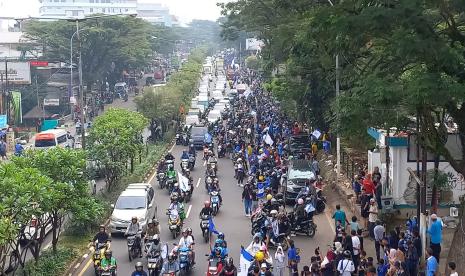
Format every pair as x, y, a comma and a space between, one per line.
177, 190
108, 262
135, 229
184, 155
169, 156
102, 236
161, 167
229, 268
186, 241
171, 173
206, 210
215, 186
299, 212
171, 265
192, 149
220, 241
155, 246
153, 228
139, 270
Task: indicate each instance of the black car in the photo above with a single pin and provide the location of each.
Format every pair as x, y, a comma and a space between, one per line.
198, 136
299, 173
299, 145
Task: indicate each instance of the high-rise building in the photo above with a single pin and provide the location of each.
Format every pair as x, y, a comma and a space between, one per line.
81, 8
154, 13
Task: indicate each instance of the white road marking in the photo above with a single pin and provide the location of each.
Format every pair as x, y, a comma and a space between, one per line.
188, 211
198, 182
331, 224
172, 147
152, 177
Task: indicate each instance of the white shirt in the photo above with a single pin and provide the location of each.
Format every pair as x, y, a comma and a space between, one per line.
186, 241
345, 267
454, 274
356, 245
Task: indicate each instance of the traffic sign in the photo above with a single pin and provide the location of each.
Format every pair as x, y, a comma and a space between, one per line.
39, 63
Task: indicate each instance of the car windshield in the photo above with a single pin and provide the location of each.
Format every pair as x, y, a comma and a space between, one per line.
296, 174
45, 143
130, 202
198, 131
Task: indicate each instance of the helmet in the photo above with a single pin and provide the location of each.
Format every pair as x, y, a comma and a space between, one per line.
207, 203
134, 218
347, 254
261, 178
268, 196
171, 257
300, 201
139, 264
257, 235
259, 256
217, 250
150, 222
263, 248
230, 261
274, 212
221, 236
108, 253
155, 221
184, 230
176, 184
189, 230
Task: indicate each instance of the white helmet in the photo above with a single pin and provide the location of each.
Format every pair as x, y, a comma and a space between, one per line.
274, 212
300, 201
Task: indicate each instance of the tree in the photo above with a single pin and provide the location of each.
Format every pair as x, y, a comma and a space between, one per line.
114, 139
124, 41
68, 192
252, 62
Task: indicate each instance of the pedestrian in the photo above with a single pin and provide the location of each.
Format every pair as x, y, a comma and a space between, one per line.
378, 192
292, 258
279, 261
393, 239
305, 271
247, 197
354, 224
340, 215
417, 242
339, 231
357, 187
346, 267
360, 237
452, 268
368, 185
372, 216
364, 207
315, 166
355, 248
412, 258
431, 263
435, 232
382, 268
363, 264
2, 149
378, 232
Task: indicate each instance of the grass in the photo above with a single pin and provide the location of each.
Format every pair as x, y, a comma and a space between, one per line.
50, 264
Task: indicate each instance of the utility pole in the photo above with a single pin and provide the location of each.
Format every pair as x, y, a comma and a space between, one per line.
81, 92
7, 95
417, 140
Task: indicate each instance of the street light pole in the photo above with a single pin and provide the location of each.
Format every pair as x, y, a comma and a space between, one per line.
338, 137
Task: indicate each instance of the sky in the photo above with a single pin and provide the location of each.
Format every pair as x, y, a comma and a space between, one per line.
185, 10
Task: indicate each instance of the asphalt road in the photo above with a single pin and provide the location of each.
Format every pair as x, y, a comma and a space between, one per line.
230, 220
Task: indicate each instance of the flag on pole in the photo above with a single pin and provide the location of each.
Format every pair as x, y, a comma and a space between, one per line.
269, 140
183, 183
246, 260
211, 226
260, 189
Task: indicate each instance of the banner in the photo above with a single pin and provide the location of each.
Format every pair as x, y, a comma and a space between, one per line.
3, 121
183, 183
18, 110
18, 72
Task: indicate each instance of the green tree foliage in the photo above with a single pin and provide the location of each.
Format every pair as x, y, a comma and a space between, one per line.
125, 41
399, 60
252, 63
162, 104
114, 139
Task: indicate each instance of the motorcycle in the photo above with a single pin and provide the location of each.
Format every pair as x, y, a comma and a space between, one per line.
185, 139
154, 264
178, 139
185, 262
125, 97
174, 223
281, 240
170, 180
99, 254
221, 151
133, 250
215, 265
161, 179
108, 271
213, 165
208, 182
305, 227
185, 164
204, 226
215, 202
191, 161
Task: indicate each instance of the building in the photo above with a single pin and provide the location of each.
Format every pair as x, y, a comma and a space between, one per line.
403, 155
155, 13
81, 8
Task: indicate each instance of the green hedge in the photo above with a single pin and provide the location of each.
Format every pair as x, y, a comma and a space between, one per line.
50, 264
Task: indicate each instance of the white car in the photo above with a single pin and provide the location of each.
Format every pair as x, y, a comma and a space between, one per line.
214, 116
138, 200
31, 229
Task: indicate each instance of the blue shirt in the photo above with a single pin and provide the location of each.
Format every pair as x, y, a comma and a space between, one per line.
382, 270
340, 215
292, 254
431, 266
435, 231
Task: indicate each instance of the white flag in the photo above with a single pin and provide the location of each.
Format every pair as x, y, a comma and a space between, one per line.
316, 133
268, 140
183, 183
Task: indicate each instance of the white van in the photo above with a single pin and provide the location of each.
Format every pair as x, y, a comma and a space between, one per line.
52, 138
192, 120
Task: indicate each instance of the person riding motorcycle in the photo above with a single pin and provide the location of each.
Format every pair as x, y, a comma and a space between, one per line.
171, 265
229, 268
153, 228
192, 149
108, 262
102, 236
187, 241
155, 246
139, 270
300, 213
171, 173
215, 186
220, 241
177, 190
177, 205
169, 156
206, 210
135, 229
184, 155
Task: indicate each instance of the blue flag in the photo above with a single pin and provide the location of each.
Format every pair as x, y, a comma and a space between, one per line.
211, 226
260, 189
246, 255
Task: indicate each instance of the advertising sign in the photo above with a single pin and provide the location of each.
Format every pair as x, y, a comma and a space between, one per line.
51, 102
17, 106
18, 72
3, 121
39, 63
253, 44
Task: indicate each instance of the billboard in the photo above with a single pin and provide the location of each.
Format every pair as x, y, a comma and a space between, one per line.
253, 44
18, 72
17, 107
